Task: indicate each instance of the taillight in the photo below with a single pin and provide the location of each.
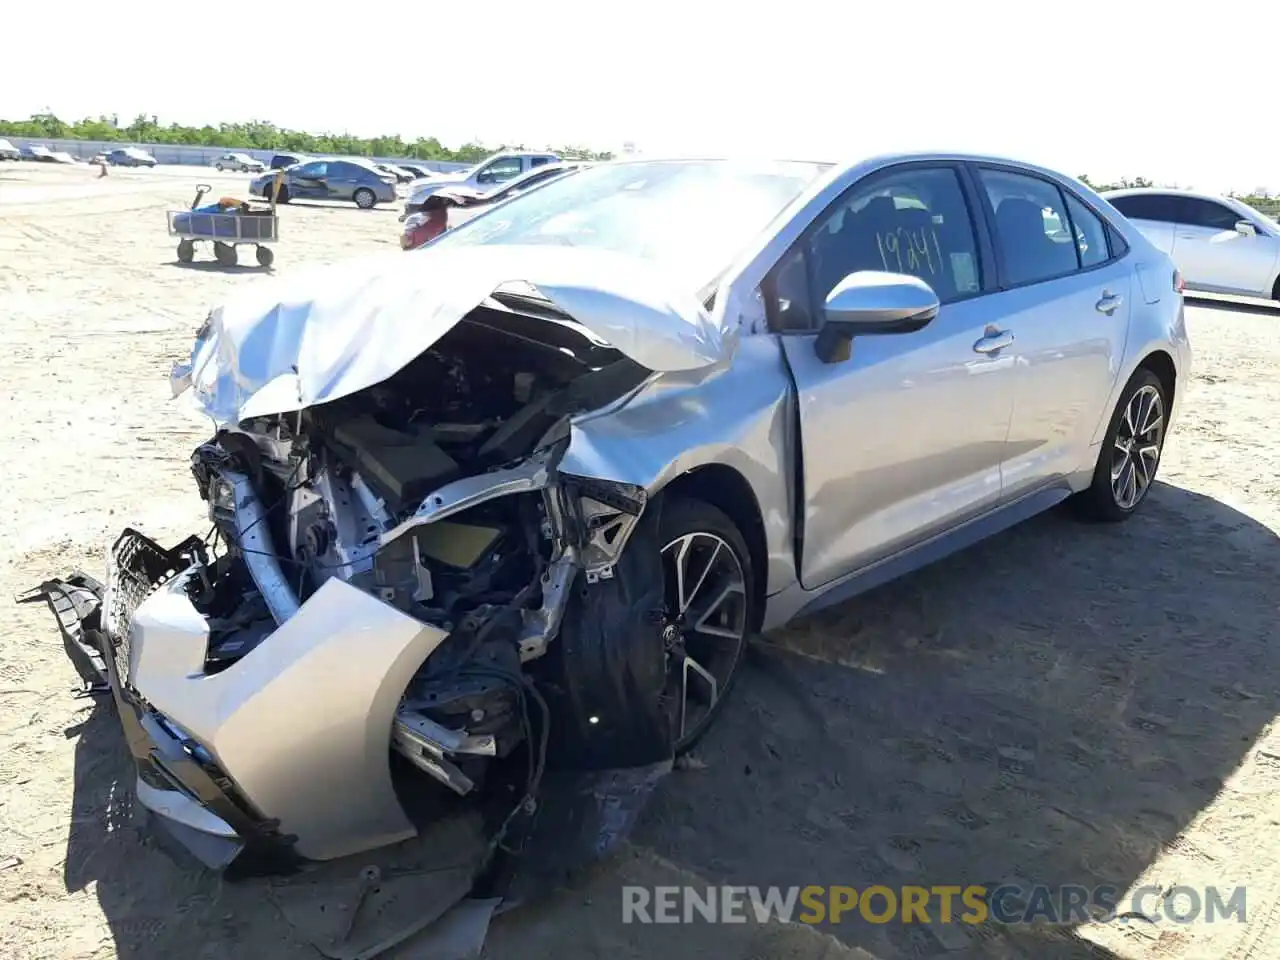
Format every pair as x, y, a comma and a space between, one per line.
1178, 284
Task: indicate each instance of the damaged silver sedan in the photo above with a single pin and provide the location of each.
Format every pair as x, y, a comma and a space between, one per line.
515, 502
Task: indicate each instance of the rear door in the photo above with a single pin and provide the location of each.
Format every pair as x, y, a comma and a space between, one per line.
1213, 255
1154, 214
342, 180
1066, 294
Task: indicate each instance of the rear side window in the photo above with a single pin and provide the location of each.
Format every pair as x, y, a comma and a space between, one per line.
1033, 231
539, 161
1091, 234
1147, 206
1195, 212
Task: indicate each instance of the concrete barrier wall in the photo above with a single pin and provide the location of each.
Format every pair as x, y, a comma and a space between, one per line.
196, 156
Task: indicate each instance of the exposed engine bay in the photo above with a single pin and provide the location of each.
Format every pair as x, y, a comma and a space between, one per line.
435, 492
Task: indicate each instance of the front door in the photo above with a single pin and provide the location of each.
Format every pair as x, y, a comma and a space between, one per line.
310, 181
905, 438
1214, 256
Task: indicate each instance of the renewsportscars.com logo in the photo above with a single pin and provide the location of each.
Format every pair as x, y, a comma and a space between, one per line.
943, 903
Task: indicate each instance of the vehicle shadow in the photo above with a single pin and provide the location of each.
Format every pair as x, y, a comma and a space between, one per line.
212, 266
1266, 308
1053, 706
396, 206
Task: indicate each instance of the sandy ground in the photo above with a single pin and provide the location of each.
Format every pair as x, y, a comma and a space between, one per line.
1063, 704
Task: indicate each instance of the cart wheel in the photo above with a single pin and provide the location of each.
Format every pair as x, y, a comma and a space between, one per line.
265, 257
186, 251
225, 254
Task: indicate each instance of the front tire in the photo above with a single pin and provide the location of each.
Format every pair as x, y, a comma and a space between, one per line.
1131, 452
710, 599
365, 198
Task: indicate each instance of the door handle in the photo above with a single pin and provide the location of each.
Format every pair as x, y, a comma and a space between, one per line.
1108, 303
993, 340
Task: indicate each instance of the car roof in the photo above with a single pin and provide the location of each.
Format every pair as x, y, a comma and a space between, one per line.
1165, 191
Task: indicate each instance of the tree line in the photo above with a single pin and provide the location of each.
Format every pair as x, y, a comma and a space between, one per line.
260, 135
263, 135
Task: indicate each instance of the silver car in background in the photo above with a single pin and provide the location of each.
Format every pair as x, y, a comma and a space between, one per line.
565, 460
1220, 244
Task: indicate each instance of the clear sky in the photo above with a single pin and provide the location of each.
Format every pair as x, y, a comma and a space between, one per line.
1183, 93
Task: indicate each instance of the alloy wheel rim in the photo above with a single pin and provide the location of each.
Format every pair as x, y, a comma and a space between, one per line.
1135, 453
704, 628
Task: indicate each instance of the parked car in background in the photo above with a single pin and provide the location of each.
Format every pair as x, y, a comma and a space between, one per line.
240, 162
488, 174
400, 173
37, 152
588, 448
417, 170
8, 151
1220, 244
472, 199
282, 160
358, 181
61, 156
130, 157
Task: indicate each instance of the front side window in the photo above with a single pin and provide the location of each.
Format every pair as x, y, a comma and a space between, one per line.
317, 168
912, 221
504, 168
1205, 213
1032, 236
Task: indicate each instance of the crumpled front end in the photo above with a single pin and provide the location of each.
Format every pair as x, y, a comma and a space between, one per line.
369, 636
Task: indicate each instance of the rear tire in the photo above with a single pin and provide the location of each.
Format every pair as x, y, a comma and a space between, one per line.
265, 256
1131, 451
218, 167
186, 251
225, 254
365, 198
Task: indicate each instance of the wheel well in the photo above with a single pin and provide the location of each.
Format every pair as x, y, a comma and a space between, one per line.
1275, 289
1161, 364
728, 490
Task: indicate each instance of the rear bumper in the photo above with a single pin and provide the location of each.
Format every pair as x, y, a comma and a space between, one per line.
281, 756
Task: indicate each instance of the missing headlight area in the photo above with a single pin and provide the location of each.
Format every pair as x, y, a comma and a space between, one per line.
435, 491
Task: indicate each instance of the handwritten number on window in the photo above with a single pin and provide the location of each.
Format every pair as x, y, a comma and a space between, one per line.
910, 251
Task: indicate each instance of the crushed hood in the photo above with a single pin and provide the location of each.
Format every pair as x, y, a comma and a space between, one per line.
285, 345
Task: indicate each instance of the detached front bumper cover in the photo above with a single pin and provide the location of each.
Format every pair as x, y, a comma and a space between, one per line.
194, 801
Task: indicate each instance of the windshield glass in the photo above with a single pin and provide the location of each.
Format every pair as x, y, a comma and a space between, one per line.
689, 217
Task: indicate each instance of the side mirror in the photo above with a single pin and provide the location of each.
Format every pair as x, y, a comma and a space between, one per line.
873, 302
1246, 229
